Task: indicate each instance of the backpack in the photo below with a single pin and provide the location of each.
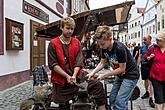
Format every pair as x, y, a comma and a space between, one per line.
40, 76
135, 93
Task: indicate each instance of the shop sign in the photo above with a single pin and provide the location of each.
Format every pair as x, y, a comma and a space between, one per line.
35, 12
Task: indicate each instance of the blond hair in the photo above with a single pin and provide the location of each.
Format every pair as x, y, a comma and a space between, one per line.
103, 32
161, 35
67, 21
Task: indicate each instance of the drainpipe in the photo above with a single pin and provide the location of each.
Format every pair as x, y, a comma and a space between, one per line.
141, 25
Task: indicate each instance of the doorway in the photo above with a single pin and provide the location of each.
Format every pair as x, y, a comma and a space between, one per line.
37, 46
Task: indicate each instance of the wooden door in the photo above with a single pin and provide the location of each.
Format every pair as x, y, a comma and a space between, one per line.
37, 47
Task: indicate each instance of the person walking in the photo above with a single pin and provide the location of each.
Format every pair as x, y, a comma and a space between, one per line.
136, 53
124, 68
65, 61
157, 71
145, 71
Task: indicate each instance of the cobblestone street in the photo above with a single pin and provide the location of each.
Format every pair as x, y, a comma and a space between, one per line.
10, 99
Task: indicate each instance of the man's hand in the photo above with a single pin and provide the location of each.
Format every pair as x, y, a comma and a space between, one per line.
73, 79
70, 80
89, 76
122, 74
101, 77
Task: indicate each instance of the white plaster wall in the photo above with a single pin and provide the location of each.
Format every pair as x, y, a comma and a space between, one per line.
149, 20
19, 60
149, 15
135, 17
137, 39
153, 34
52, 4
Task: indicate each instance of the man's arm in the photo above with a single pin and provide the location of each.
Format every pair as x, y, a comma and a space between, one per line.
122, 59
60, 71
101, 65
139, 59
76, 70
120, 70
78, 64
53, 63
136, 53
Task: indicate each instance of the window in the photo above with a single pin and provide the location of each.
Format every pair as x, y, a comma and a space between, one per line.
81, 6
158, 26
76, 5
153, 28
125, 38
150, 29
160, 7
162, 22
139, 34
138, 22
135, 34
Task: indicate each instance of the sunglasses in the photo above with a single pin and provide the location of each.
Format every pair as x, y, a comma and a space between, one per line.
159, 40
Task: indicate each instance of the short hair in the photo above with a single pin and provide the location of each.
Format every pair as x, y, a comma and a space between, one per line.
103, 32
149, 36
67, 21
134, 43
161, 35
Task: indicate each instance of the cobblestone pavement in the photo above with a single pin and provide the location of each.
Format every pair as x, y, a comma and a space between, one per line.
141, 104
10, 99
138, 104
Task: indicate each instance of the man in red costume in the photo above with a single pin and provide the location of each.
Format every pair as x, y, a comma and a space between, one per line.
65, 61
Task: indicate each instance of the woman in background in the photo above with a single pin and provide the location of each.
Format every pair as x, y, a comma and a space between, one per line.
157, 72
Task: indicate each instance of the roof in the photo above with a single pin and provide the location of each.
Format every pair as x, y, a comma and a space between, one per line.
88, 21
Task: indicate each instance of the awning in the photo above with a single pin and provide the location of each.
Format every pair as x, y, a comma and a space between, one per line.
88, 21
